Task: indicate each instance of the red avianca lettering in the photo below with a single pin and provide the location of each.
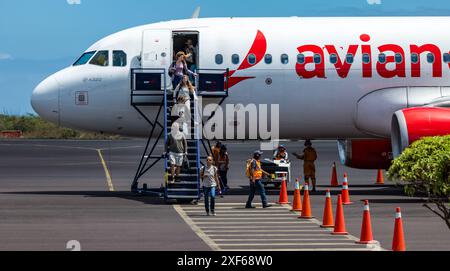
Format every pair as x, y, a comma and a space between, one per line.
389, 68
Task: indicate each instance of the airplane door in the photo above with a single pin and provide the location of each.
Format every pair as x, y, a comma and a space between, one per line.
156, 49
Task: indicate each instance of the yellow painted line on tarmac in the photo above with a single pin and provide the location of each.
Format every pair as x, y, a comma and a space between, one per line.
108, 175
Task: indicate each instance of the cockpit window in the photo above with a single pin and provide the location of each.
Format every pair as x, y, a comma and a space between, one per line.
100, 59
84, 58
119, 59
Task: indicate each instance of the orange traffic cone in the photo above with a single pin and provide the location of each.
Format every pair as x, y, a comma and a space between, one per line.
380, 177
328, 213
334, 180
339, 226
345, 194
306, 212
366, 228
398, 243
283, 193
297, 203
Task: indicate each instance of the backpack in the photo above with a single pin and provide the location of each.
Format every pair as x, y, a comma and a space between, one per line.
248, 167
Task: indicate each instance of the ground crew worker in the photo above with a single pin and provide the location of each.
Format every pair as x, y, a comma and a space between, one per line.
309, 156
256, 175
280, 153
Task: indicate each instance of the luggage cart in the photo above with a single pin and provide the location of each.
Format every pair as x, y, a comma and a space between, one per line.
278, 170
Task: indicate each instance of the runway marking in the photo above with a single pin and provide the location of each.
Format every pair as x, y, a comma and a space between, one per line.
196, 229
301, 249
273, 229
247, 234
252, 222
304, 229
253, 227
238, 217
279, 240
284, 244
105, 167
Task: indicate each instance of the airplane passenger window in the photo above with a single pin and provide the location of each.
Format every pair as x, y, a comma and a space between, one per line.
251, 59
366, 58
415, 58
301, 58
382, 58
446, 57
84, 58
349, 58
317, 59
398, 58
219, 59
284, 59
268, 59
119, 59
430, 58
333, 59
101, 59
235, 59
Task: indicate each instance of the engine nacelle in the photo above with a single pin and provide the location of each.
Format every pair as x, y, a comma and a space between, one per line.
365, 154
411, 124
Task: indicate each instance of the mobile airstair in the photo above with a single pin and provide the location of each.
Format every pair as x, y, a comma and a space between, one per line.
152, 99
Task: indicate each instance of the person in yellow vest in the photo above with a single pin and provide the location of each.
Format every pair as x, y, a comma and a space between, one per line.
256, 175
309, 156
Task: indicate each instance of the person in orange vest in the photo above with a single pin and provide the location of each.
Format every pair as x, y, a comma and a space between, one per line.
256, 175
309, 156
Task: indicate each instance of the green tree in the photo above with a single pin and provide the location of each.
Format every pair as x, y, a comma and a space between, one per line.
424, 168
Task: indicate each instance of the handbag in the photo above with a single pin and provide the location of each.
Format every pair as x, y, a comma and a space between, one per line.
172, 69
186, 165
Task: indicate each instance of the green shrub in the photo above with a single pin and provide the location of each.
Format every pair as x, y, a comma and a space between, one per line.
424, 167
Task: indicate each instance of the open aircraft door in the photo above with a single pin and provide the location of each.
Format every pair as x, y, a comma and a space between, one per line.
157, 50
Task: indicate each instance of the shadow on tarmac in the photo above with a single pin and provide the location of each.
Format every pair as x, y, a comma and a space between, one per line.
242, 191
145, 199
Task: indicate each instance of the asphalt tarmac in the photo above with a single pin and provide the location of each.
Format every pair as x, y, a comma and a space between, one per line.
52, 192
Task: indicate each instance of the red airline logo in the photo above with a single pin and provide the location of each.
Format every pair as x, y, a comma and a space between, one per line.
389, 68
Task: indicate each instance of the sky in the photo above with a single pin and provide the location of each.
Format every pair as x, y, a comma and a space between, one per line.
40, 37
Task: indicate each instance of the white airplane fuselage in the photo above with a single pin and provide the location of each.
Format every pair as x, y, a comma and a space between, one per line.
330, 99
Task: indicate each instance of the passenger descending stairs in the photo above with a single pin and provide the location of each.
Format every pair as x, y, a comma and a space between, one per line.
185, 187
149, 90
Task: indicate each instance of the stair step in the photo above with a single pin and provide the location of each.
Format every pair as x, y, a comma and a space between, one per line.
184, 183
182, 190
182, 197
186, 175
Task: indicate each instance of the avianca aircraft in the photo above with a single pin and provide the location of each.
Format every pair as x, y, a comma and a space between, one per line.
374, 84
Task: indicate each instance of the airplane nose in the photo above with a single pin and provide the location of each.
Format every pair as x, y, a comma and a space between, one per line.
45, 100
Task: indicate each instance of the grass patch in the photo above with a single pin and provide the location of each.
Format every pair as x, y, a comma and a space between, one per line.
34, 127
